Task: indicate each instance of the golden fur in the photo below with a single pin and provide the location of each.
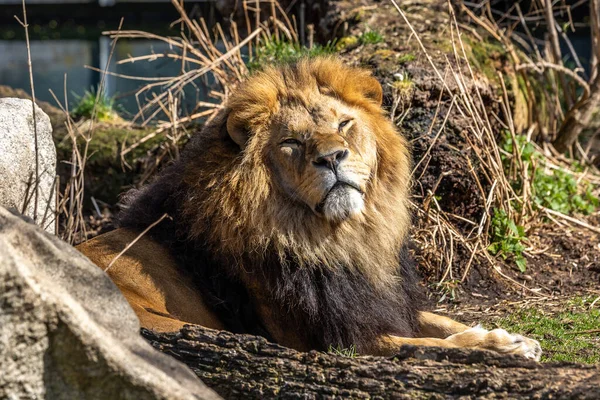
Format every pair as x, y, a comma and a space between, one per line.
297, 192
263, 213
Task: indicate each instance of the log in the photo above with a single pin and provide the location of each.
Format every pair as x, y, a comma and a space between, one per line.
250, 367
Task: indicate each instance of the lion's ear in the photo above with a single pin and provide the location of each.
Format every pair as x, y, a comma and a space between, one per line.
237, 130
372, 90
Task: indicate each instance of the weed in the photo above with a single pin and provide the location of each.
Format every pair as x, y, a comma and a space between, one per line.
448, 288
506, 239
565, 336
105, 109
345, 352
561, 193
525, 148
281, 51
370, 37
558, 190
405, 58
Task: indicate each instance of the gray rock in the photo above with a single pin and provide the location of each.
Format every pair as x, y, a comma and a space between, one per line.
66, 332
18, 162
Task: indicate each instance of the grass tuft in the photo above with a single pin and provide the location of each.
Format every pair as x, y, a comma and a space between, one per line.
370, 37
344, 352
105, 109
281, 51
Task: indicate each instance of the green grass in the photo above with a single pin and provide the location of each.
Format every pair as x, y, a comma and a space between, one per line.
281, 51
561, 334
370, 37
339, 351
106, 109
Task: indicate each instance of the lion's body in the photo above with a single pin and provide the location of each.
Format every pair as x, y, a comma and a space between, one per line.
162, 295
289, 219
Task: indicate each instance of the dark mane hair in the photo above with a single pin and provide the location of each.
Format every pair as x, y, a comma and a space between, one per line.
217, 234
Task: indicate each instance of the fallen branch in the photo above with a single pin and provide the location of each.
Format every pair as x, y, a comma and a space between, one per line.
249, 367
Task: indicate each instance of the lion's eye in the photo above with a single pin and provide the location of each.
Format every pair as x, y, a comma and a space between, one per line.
344, 124
291, 141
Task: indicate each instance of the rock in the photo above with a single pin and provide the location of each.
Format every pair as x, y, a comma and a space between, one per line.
57, 116
66, 332
18, 162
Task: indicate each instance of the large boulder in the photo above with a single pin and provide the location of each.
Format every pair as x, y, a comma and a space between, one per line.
66, 332
18, 162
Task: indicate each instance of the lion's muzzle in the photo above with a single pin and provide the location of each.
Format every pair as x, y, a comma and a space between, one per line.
342, 201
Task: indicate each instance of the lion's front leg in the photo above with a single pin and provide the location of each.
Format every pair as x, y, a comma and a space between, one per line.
435, 330
435, 326
497, 340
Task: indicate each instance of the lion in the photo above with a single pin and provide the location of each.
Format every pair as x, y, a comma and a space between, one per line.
288, 218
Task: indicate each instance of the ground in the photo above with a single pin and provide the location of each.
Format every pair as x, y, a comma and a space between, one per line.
564, 316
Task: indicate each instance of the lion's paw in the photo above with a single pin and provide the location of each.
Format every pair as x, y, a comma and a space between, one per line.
498, 340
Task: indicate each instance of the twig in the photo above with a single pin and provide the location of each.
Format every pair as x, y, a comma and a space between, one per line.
35, 132
134, 241
570, 219
544, 64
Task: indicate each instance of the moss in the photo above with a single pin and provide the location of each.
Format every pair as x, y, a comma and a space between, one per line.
565, 335
347, 42
385, 54
105, 175
405, 58
483, 56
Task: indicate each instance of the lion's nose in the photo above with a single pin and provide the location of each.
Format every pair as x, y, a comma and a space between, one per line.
331, 160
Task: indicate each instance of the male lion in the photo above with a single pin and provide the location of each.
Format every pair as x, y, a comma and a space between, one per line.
289, 219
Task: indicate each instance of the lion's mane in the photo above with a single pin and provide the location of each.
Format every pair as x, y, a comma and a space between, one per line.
336, 284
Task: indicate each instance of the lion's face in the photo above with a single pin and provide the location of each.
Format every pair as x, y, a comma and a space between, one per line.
322, 152
314, 144
302, 164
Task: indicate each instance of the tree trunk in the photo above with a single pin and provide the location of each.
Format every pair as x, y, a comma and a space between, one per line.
250, 367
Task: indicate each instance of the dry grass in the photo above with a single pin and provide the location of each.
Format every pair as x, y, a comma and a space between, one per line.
439, 239
561, 99
32, 191
446, 248
201, 58
70, 203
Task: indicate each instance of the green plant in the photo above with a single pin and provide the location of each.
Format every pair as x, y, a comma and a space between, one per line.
560, 192
448, 288
370, 37
557, 190
282, 51
526, 149
344, 352
507, 238
105, 109
405, 58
